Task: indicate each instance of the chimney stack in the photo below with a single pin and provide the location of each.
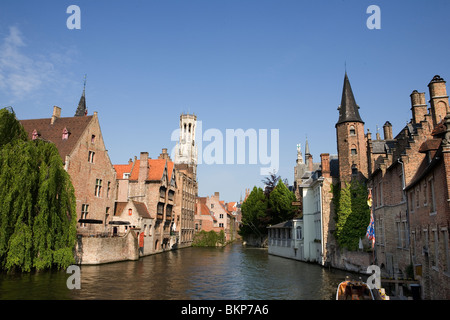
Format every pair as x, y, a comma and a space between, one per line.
439, 99
309, 158
143, 166
418, 106
56, 114
164, 154
387, 131
325, 162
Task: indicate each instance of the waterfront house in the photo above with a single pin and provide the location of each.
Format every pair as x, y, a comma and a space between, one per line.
286, 239
409, 181
213, 214
82, 149
153, 183
133, 215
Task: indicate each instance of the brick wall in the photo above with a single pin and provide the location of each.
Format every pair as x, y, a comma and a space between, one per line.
84, 175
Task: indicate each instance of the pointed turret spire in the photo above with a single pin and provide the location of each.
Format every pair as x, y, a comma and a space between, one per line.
307, 147
81, 109
348, 110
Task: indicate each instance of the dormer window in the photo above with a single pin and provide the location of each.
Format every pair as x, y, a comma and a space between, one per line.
65, 134
35, 135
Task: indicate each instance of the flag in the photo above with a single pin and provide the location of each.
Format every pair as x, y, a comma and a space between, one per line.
370, 234
369, 198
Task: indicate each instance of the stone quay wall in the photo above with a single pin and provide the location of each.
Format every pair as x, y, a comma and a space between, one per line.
98, 250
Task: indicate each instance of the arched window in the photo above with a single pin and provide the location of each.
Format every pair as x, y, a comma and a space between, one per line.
299, 233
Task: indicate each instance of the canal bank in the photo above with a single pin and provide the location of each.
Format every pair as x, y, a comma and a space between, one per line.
233, 272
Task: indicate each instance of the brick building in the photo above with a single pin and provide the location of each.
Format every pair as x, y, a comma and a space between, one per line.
151, 182
213, 214
82, 149
409, 199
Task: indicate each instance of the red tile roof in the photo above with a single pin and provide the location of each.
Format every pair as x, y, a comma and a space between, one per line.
122, 168
204, 210
156, 169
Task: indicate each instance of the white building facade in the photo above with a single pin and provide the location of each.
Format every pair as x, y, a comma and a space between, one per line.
286, 239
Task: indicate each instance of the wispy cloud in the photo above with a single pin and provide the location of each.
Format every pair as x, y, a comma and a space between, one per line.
23, 73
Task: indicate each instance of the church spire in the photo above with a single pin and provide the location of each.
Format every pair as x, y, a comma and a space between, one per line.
81, 109
307, 147
348, 110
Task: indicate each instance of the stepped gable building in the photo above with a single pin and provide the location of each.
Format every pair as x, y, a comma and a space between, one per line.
82, 149
149, 186
153, 182
409, 177
410, 188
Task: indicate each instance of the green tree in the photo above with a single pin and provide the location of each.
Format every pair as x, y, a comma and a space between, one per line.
37, 203
280, 204
254, 213
352, 213
10, 129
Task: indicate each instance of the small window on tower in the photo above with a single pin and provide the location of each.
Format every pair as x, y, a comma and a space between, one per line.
93, 139
352, 131
354, 153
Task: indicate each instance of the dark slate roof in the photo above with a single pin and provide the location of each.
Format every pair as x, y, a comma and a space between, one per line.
348, 110
53, 132
81, 109
284, 224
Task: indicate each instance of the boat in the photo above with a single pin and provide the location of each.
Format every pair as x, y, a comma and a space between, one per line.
354, 290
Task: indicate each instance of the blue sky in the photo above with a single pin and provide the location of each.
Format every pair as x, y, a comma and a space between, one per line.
249, 64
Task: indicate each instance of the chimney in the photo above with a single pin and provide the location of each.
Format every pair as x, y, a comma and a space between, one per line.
310, 162
387, 131
56, 114
418, 106
325, 162
164, 154
216, 194
143, 166
369, 135
439, 99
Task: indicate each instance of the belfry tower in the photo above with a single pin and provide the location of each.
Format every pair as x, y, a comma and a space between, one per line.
351, 142
186, 149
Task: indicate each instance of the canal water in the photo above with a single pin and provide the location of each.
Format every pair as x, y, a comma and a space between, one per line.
234, 272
